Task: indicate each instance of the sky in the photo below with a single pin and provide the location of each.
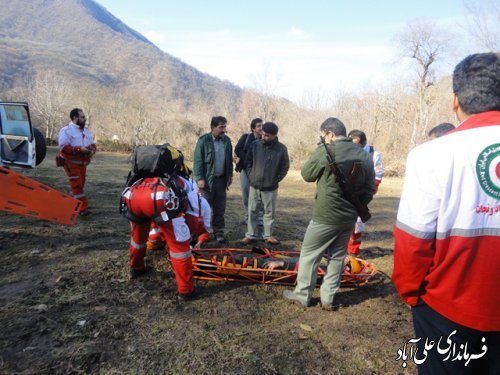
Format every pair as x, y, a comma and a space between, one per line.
290, 48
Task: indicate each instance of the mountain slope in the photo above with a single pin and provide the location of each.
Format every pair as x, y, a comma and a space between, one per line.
82, 40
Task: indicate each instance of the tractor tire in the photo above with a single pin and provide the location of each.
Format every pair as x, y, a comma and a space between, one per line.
40, 146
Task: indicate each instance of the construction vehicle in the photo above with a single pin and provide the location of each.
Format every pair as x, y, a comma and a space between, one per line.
23, 146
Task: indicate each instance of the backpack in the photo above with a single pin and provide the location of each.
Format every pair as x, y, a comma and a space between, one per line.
154, 161
157, 161
163, 161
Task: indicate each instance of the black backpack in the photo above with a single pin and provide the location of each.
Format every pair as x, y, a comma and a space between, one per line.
153, 161
157, 161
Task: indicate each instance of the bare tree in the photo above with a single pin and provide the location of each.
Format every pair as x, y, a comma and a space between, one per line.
484, 23
266, 84
426, 45
316, 99
145, 129
94, 102
48, 96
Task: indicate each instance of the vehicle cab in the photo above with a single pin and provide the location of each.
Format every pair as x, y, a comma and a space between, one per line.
20, 143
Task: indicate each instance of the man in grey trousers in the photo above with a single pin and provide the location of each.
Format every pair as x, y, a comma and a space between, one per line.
267, 164
334, 216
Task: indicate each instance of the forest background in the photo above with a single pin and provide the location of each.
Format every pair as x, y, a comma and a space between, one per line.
134, 93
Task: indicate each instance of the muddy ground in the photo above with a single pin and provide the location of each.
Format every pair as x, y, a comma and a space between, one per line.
67, 305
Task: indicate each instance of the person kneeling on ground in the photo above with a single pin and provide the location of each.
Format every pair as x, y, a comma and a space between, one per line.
161, 199
198, 216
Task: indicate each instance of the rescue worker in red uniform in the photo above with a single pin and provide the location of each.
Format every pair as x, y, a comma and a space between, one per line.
76, 148
198, 217
161, 200
359, 137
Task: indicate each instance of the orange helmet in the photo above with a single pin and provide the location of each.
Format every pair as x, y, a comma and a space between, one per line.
354, 265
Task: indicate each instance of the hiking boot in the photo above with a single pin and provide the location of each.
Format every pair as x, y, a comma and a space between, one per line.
219, 237
272, 241
184, 297
329, 306
290, 296
326, 306
84, 213
133, 273
247, 240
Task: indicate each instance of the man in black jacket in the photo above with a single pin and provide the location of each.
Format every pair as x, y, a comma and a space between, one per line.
267, 164
241, 149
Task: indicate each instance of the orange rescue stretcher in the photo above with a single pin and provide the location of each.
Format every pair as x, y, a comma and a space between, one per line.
248, 265
24, 196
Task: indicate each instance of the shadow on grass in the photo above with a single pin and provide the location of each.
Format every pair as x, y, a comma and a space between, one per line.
212, 288
381, 204
354, 296
375, 252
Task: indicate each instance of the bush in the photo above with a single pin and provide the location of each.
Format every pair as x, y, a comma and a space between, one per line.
113, 146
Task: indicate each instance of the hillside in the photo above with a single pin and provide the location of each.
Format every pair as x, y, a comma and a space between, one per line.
61, 54
83, 41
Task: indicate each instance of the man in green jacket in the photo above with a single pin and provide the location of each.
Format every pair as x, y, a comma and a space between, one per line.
213, 171
334, 217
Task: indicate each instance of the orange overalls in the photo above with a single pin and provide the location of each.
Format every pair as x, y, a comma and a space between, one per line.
149, 200
72, 140
198, 216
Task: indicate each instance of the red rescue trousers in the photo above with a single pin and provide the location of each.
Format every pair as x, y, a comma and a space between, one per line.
196, 227
76, 174
354, 245
142, 204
